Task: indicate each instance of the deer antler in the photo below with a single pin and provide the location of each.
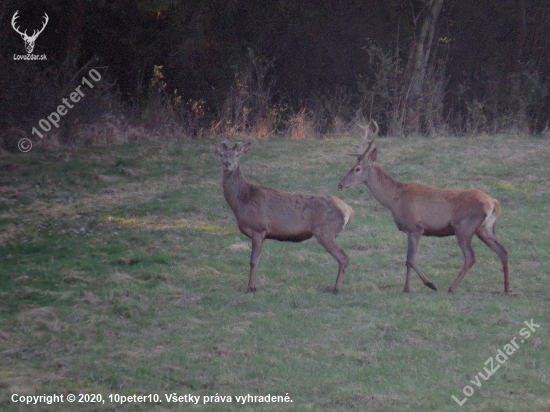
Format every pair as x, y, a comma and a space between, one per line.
47, 19
15, 16
35, 32
365, 139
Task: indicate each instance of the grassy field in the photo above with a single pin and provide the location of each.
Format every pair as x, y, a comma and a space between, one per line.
122, 273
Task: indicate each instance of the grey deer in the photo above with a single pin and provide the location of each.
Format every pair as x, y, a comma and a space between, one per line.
420, 210
265, 213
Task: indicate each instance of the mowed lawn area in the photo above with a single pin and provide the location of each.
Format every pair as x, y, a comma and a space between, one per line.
123, 272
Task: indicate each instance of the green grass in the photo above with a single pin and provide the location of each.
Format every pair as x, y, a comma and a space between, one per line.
122, 271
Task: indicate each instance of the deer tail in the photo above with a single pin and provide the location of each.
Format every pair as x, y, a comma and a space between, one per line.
347, 211
492, 214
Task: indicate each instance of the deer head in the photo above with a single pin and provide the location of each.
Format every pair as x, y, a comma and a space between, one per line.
29, 40
230, 156
358, 172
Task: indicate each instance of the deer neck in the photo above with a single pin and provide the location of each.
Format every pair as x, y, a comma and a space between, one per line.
235, 187
384, 189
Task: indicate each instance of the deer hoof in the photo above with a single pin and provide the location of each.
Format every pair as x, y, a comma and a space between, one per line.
335, 291
251, 290
431, 286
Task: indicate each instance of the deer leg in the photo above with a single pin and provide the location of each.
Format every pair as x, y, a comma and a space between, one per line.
488, 237
333, 247
257, 244
413, 241
465, 243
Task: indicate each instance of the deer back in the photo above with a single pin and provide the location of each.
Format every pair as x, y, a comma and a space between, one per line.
284, 215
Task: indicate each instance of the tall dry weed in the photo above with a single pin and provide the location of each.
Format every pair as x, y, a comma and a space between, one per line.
302, 126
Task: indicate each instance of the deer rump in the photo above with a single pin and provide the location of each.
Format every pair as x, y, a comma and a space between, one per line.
288, 217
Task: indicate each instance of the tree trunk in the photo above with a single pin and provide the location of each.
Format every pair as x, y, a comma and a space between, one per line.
72, 24
418, 63
521, 29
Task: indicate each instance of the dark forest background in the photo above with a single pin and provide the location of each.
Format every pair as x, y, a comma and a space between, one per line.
187, 69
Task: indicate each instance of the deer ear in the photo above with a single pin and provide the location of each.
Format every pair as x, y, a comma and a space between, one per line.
373, 155
244, 148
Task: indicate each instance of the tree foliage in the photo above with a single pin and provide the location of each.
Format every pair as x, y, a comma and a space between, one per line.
337, 60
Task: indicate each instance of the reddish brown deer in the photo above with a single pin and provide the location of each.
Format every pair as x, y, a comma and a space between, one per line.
265, 213
420, 210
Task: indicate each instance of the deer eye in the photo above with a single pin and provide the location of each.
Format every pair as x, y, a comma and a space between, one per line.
357, 169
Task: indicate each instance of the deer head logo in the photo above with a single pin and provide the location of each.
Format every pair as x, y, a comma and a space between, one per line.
29, 40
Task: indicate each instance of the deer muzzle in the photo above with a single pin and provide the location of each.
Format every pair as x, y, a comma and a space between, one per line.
343, 185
